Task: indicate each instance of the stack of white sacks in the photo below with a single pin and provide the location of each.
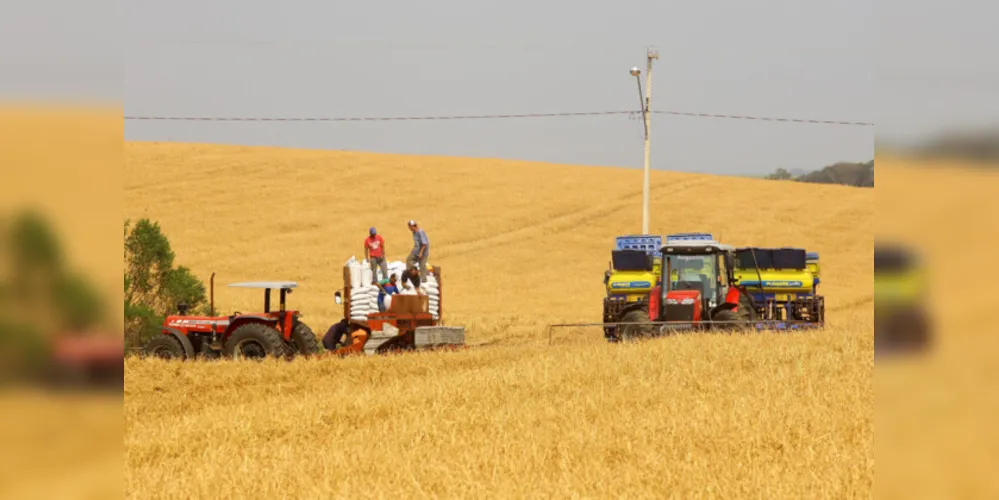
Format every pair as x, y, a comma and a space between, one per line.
364, 295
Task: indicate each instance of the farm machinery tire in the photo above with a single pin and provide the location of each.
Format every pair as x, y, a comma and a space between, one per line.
726, 315
303, 341
903, 330
254, 340
164, 347
631, 333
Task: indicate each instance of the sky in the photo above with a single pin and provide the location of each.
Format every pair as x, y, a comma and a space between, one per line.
915, 67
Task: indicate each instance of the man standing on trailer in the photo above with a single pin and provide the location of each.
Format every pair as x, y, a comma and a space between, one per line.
374, 251
421, 250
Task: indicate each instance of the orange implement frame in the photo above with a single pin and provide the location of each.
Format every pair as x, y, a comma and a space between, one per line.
405, 314
377, 316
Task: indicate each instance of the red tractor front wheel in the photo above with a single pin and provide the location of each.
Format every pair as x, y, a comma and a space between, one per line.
164, 347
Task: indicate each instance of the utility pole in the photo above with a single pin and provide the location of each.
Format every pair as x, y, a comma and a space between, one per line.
647, 116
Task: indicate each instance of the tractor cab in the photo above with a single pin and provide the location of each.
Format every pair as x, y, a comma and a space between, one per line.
696, 278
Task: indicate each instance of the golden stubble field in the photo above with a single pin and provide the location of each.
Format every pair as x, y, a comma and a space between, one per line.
936, 413
522, 245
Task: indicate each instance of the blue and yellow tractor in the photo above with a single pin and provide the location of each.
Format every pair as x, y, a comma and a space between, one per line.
634, 271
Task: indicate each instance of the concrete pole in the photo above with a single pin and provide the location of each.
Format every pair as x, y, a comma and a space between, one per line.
652, 54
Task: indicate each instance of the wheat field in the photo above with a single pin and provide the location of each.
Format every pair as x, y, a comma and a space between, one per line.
521, 245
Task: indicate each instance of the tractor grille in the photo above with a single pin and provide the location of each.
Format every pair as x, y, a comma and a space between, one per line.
679, 312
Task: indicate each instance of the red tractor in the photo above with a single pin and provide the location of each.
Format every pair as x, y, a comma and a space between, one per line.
269, 333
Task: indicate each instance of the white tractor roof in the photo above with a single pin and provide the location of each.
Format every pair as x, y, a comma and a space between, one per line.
692, 241
696, 244
265, 284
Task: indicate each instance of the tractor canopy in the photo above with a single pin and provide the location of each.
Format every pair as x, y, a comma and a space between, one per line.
284, 286
272, 285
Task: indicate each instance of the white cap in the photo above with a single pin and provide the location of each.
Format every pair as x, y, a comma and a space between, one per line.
412, 223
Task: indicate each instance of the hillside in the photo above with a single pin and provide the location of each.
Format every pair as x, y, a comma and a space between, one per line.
521, 244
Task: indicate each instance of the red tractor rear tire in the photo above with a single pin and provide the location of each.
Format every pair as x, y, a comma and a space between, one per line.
255, 341
727, 316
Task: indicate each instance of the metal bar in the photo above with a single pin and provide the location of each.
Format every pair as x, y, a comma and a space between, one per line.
211, 304
750, 325
641, 102
705, 322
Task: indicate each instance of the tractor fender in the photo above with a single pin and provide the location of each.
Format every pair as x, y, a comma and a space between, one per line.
725, 306
249, 318
185, 342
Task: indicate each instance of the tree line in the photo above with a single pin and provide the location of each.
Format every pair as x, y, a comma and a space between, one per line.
845, 173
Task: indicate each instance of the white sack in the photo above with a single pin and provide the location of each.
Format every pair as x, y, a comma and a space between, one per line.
355, 274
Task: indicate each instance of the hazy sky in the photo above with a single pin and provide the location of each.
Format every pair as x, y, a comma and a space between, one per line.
311, 58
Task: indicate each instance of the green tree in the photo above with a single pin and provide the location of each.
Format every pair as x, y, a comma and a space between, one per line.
780, 174
153, 286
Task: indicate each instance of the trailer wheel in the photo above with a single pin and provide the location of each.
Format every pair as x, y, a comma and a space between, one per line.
303, 341
164, 347
254, 341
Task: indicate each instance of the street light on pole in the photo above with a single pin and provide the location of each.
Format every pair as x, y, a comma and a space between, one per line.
647, 116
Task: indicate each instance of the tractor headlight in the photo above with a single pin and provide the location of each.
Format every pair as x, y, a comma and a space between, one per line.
687, 301
671, 301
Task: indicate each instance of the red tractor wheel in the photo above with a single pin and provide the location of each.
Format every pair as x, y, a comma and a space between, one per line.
254, 341
303, 341
164, 347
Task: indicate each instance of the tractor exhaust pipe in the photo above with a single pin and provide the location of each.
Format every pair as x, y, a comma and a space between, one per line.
211, 304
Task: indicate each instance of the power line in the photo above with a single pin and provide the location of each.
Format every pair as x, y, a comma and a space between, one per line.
373, 118
765, 118
485, 117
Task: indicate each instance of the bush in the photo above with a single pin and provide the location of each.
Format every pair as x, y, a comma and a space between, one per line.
153, 286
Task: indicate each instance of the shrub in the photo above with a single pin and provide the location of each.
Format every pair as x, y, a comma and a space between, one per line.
153, 286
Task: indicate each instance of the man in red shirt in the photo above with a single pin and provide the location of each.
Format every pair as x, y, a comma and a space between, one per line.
374, 251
